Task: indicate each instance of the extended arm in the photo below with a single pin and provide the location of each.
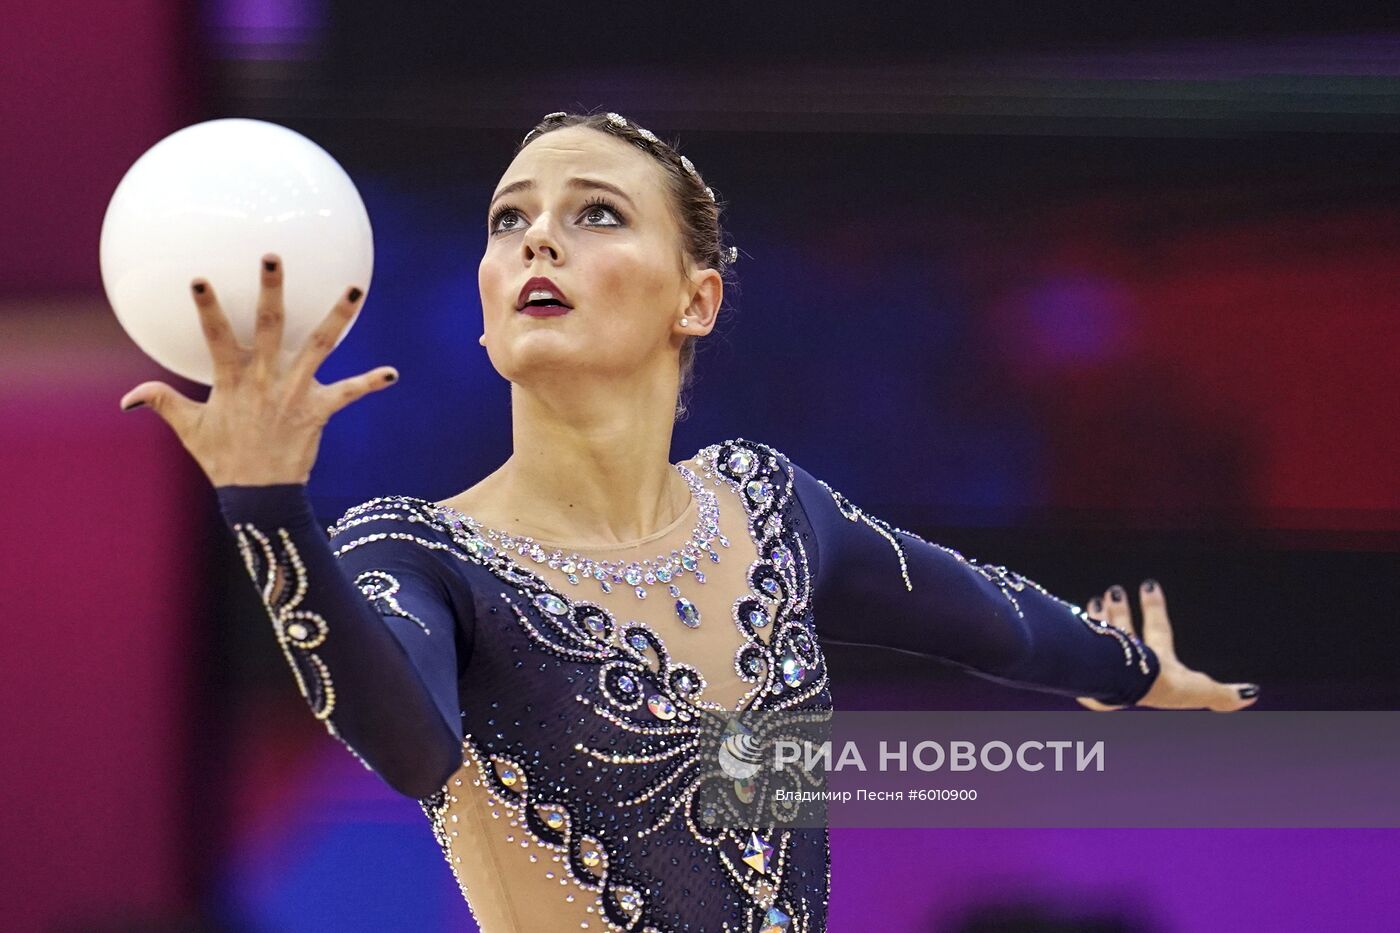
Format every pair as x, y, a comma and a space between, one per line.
882, 586
370, 637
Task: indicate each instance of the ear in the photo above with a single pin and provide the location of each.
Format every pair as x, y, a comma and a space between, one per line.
707, 293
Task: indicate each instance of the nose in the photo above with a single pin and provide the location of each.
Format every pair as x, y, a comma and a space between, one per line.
541, 239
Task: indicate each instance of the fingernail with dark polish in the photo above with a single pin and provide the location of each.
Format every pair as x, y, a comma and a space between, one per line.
1249, 691
1116, 594
130, 406
198, 288
1096, 605
1149, 586
269, 265
355, 294
391, 377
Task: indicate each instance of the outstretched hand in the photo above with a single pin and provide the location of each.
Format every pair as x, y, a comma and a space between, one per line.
1177, 686
262, 423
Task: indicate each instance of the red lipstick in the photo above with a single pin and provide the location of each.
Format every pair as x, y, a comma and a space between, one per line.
540, 297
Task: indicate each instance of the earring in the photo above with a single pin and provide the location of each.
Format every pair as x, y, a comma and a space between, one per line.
685, 322
481, 340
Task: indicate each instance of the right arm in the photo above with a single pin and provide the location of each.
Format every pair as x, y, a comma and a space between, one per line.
371, 637
375, 677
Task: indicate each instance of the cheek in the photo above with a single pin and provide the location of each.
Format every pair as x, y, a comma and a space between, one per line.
490, 281
631, 283
612, 282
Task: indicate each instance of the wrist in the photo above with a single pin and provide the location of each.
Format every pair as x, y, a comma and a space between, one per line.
265, 505
259, 474
1157, 691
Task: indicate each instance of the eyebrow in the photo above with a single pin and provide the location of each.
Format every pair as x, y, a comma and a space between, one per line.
576, 183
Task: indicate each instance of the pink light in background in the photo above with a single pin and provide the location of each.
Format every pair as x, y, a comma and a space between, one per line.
103, 582
85, 92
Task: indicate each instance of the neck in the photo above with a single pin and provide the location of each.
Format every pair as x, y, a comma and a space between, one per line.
591, 462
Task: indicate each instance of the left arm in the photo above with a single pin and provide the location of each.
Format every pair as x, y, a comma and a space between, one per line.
882, 586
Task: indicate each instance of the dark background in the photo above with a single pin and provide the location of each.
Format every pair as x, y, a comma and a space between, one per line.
1096, 291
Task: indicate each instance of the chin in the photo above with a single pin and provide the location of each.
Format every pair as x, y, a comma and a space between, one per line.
543, 351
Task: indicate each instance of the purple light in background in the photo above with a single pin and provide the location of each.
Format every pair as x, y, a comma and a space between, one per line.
266, 29
1071, 321
1143, 879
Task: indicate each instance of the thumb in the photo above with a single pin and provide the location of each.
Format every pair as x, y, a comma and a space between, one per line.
175, 409
1227, 698
345, 391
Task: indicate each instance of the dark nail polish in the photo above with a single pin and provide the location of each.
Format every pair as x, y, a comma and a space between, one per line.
1248, 691
269, 265
198, 288
355, 294
1116, 594
391, 377
1096, 605
129, 407
1149, 586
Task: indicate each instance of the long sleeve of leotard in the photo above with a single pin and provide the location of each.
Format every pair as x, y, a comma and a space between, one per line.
882, 586
371, 636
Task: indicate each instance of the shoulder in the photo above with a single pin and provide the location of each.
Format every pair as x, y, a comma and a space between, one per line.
766, 479
380, 513
741, 459
405, 527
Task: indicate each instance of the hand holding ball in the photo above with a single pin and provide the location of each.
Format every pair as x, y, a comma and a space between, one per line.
208, 202
194, 248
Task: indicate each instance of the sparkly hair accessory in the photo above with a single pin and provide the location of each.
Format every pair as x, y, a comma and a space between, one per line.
728, 256
556, 115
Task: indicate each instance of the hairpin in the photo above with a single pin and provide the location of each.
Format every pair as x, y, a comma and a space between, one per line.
544, 119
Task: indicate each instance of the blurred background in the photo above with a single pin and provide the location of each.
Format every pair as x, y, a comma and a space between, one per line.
1096, 291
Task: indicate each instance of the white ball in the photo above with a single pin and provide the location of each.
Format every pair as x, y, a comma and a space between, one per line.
207, 202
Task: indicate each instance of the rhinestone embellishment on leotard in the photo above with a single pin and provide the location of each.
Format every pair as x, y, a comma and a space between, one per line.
664, 569
639, 707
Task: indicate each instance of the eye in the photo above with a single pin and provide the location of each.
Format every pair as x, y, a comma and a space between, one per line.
505, 219
597, 212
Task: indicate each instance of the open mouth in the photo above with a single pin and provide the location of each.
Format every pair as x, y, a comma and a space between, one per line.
545, 303
542, 296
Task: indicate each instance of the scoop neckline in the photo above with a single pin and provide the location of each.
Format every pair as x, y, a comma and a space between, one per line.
687, 514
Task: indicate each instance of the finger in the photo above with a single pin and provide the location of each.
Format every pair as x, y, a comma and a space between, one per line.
324, 338
350, 390
1093, 608
176, 410
218, 334
1156, 627
1227, 698
1095, 705
1120, 614
267, 332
